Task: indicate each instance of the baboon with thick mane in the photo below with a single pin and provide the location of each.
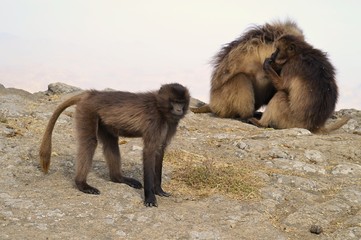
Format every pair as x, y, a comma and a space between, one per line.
239, 85
306, 87
105, 116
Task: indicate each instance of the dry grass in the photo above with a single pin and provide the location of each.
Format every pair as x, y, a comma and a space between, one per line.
197, 176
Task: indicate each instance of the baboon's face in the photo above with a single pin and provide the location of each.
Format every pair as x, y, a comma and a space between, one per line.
284, 51
178, 108
174, 99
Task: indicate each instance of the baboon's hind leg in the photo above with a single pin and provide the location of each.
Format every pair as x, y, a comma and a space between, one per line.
235, 99
278, 113
87, 143
112, 156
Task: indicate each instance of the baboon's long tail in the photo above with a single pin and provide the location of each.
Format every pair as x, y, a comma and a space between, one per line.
203, 109
45, 147
334, 126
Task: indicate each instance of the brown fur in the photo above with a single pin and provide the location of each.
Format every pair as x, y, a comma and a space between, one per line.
106, 115
239, 86
306, 87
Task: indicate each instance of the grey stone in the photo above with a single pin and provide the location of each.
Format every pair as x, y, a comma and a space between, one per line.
314, 156
347, 169
300, 180
61, 88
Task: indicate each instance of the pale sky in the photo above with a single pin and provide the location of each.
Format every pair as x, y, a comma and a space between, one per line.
139, 45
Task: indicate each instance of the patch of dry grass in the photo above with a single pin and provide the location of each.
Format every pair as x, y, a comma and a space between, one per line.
197, 176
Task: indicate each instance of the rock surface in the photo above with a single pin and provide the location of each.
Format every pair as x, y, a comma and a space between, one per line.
308, 186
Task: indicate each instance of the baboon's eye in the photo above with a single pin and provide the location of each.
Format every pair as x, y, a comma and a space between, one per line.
291, 48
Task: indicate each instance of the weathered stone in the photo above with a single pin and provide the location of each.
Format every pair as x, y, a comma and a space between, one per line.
241, 145
61, 88
314, 156
302, 180
347, 169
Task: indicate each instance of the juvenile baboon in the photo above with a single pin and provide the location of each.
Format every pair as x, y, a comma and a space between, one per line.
104, 116
306, 87
239, 86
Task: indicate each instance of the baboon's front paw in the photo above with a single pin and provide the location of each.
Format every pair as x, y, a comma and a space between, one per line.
151, 201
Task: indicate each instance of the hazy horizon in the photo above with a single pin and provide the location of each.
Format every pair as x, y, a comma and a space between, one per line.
137, 46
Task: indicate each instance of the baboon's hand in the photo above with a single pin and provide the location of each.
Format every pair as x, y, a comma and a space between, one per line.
267, 64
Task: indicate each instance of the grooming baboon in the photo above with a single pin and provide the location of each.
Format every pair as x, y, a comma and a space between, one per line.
239, 86
104, 116
306, 87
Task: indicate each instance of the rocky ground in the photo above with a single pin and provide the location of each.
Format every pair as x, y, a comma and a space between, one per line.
228, 179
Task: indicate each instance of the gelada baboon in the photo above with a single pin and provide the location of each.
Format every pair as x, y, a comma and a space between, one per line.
104, 116
239, 86
306, 87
